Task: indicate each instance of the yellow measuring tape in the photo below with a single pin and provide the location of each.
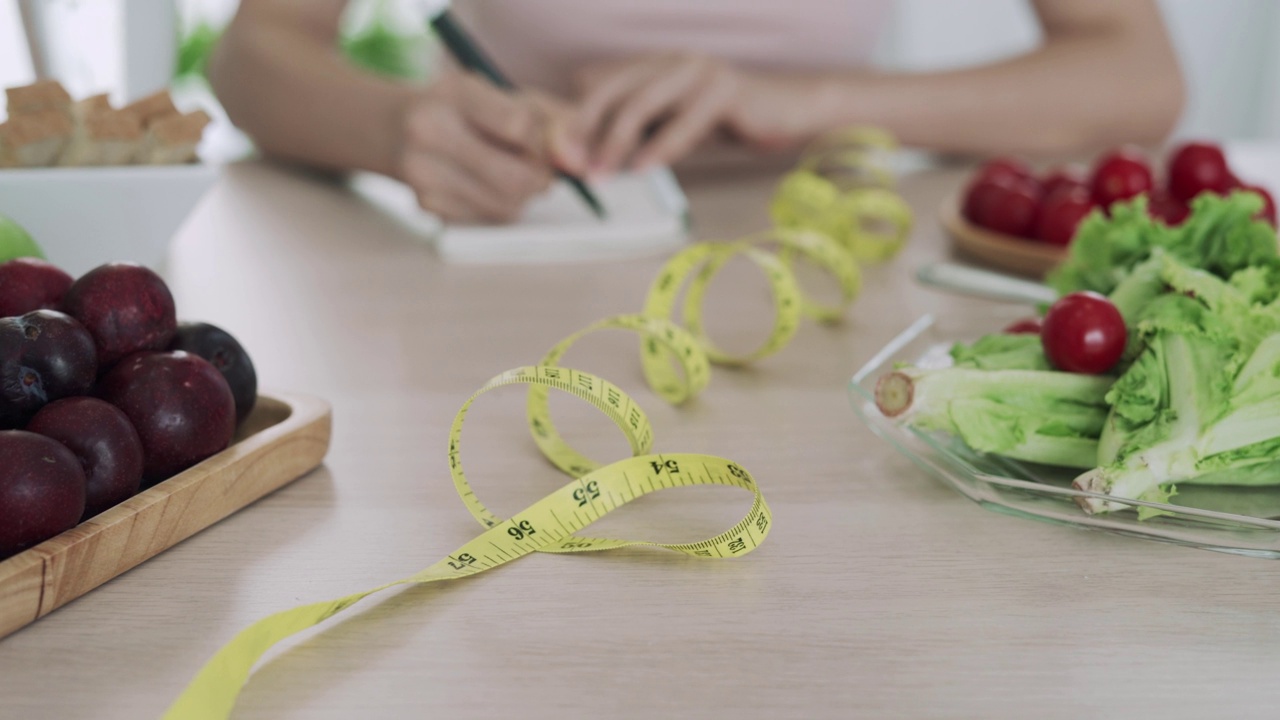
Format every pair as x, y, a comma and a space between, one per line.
844, 188
676, 362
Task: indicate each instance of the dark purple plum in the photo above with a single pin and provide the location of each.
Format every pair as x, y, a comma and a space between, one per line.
126, 307
105, 443
42, 490
221, 349
28, 284
44, 356
180, 405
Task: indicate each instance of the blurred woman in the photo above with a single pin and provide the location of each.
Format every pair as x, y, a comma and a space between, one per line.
614, 84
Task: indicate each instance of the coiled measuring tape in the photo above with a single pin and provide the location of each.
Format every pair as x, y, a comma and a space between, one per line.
676, 361
844, 188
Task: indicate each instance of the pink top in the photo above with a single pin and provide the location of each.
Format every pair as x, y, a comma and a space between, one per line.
543, 42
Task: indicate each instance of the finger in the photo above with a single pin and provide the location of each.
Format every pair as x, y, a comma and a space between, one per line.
449, 208
552, 107
453, 192
637, 112
507, 118
610, 89
690, 126
566, 142
586, 78
513, 178
442, 131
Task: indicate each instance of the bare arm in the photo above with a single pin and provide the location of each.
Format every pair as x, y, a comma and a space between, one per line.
470, 151
1105, 74
278, 73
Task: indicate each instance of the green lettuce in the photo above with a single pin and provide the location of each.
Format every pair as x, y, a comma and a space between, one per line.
1105, 248
1003, 351
1196, 397
1200, 404
1038, 416
1235, 310
1143, 284
1221, 236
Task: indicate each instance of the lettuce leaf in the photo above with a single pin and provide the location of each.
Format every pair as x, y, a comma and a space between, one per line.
1002, 352
1221, 236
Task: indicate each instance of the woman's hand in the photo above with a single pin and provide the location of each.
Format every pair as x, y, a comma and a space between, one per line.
474, 153
655, 110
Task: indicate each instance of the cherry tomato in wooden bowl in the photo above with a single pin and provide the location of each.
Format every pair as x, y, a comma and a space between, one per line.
993, 219
1119, 175
1004, 204
1061, 215
1198, 167
1163, 206
1005, 167
1064, 176
1010, 219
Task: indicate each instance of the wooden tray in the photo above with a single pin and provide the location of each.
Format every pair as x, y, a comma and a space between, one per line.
1006, 252
285, 437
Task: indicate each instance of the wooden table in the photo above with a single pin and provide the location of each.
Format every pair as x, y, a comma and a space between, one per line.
879, 594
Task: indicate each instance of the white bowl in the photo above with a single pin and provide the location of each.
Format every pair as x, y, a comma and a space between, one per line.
84, 217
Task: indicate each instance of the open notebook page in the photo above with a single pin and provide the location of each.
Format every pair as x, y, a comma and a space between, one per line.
647, 215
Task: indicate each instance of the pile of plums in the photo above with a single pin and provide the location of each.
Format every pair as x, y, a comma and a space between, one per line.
103, 393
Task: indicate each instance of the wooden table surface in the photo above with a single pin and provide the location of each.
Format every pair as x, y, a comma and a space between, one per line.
880, 593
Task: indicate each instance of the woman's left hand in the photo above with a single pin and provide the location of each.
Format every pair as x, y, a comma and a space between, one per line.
655, 110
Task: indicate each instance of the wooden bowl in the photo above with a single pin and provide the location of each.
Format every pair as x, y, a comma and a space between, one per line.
284, 437
1021, 256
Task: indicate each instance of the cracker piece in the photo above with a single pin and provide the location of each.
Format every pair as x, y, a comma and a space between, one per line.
90, 105
152, 108
104, 137
37, 98
172, 140
6, 155
35, 139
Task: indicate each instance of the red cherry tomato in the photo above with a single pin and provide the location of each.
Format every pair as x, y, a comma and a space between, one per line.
1065, 176
976, 197
1198, 167
1061, 215
980, 191
1120, 175
1268, 211
1025, 326
1084, 333
1005, 167
1163, 206
1004, 204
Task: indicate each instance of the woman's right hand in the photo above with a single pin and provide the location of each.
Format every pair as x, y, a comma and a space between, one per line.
474, 153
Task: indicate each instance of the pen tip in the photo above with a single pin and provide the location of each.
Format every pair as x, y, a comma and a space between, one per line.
595, 205
585, 193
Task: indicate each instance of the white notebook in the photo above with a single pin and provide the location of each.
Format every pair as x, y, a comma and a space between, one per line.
647, 215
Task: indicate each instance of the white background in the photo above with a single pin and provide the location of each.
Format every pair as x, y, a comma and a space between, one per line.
1229, 50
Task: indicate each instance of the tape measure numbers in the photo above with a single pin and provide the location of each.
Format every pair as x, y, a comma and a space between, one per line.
817, 220
546, 526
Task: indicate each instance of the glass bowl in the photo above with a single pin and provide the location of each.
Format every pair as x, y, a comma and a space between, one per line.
1237, 520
